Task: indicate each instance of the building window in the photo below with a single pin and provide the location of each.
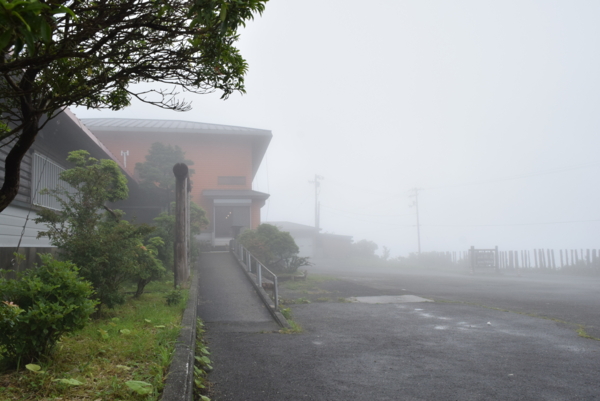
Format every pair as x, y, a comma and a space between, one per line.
232, 180
46, 176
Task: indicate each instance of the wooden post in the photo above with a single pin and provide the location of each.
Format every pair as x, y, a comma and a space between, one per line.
542, 259
496, 259
535, 258
188, 224
587, 255
553, 260
181, 268
472, 259
561, 260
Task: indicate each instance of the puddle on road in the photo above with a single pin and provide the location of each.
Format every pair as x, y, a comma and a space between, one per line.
389, 299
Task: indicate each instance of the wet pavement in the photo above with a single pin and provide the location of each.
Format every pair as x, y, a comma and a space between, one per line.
226, 300
485, 338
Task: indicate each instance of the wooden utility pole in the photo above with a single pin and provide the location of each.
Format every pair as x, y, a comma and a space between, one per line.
317, 203
181, 268
416, 205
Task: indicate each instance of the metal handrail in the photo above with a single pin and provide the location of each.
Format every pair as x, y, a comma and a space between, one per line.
246, 257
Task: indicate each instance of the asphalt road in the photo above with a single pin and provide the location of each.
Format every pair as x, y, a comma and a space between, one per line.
486, 337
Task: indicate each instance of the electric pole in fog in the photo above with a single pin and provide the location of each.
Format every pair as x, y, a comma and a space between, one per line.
317, 204
416, 205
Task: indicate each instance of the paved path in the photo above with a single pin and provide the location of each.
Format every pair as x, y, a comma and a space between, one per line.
227, 302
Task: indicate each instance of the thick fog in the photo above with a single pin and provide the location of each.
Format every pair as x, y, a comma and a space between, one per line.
490, 108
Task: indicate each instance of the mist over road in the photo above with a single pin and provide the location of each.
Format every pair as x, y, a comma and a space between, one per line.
573, 299
481, 339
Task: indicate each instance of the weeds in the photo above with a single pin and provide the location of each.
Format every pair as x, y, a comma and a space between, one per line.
582, 333
124, 355
202, 365
294, 327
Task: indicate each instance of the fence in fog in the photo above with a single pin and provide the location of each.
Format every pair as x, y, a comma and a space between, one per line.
536, 259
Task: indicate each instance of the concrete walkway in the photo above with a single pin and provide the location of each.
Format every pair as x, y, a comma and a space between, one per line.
227, 302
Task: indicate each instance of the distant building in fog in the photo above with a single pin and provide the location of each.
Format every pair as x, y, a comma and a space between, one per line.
226, 159
316, 245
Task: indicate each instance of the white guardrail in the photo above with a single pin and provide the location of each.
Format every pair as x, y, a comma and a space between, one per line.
253, 265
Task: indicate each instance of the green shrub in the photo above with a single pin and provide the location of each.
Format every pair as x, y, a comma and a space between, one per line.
274, 248
101, 244
39, 307
174, 297
149, 267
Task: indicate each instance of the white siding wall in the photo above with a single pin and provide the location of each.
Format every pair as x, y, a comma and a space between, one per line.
12, 220
306, 245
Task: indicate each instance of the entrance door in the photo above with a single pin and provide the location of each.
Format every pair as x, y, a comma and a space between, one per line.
229, 220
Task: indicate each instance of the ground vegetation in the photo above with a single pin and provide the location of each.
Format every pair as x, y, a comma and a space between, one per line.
274, 248
108, 249
39, 307
125, 355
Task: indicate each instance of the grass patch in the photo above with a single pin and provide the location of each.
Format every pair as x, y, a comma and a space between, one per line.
311, 283
131, 343
294, 327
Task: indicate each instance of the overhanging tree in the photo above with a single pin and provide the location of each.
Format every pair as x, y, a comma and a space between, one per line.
156, 173
55, 54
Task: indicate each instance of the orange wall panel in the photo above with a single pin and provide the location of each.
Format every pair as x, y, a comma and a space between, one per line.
212, 157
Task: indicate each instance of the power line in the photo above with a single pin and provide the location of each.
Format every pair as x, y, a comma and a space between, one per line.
363, 214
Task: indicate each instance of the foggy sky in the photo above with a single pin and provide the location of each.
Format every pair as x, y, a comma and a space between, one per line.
490, 107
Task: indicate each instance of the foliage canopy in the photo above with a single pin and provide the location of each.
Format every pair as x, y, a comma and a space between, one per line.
274, 248
90, 52
156, 173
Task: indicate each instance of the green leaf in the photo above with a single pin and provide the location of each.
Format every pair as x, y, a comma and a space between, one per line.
5, 40
46, 31
223, 13
103, 334
142, 388
64, 10
33, 367
125, 332
203, 359
123, 367
22, 20
70, 382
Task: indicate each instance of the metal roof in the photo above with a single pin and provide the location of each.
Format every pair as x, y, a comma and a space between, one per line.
171, 126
